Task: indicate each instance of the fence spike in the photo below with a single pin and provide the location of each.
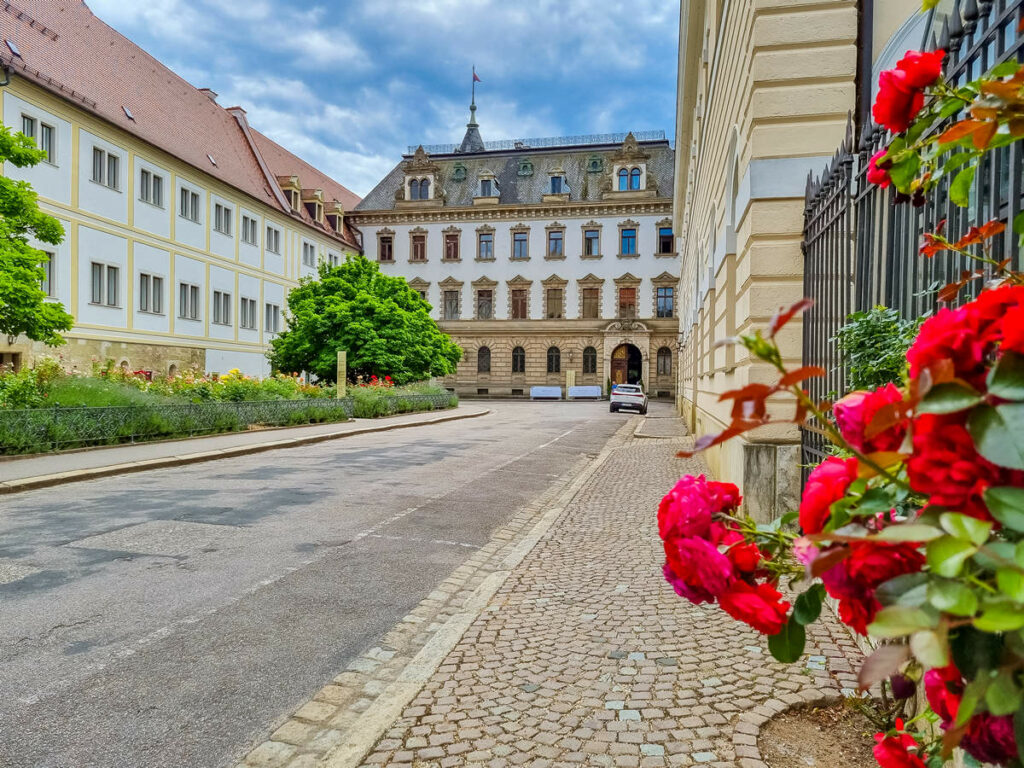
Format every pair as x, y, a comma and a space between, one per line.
956, 26
865, 139
848, 141
970, 16
944, 36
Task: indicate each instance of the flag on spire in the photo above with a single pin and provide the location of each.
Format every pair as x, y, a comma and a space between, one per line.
476, 79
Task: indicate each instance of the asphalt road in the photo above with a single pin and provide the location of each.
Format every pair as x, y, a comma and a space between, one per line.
169, 618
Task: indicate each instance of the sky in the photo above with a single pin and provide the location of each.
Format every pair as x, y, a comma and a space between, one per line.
348, 86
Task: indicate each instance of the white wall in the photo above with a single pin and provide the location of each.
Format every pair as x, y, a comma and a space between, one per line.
98, 198
153, 261
103, 248
51, 179
149, 217
224, 360
190, 271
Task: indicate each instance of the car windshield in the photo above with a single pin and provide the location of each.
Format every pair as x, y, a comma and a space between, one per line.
627, 388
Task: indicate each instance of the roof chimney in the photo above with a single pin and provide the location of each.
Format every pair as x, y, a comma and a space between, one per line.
212, 94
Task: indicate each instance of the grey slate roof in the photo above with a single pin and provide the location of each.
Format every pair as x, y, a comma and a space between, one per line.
584, 185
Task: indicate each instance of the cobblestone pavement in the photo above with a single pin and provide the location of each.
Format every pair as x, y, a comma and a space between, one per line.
585, 655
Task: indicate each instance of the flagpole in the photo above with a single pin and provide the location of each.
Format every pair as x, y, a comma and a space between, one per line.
474, 86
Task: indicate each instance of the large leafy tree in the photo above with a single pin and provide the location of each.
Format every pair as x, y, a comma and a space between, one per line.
379, 321
23, 305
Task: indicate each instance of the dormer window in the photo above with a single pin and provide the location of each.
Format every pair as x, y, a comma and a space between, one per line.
294, 199
556, 185
419, 189
629, 179
486, 188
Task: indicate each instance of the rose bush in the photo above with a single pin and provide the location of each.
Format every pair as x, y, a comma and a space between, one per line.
916, 527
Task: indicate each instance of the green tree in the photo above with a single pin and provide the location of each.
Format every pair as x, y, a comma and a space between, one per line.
23, 305
379, 321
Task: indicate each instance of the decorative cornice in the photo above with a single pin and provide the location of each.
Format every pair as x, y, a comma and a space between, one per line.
470, 214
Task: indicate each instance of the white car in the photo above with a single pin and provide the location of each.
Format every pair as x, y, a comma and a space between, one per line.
628, 396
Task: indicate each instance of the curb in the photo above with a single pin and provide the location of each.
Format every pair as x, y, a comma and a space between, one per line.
374, 722
748, 727
59, 478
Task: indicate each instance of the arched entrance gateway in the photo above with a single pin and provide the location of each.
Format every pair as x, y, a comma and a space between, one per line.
627, 364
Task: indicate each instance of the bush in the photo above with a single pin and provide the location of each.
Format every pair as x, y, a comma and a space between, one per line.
874, 347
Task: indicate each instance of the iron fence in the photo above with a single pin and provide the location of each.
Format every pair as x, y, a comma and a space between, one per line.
861, 242
39, 430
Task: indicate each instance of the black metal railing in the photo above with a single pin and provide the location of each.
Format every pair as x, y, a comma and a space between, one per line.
861, 243
39, 430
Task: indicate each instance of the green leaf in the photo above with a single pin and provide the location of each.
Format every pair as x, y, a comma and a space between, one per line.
807, 607
946, 556
949, 398
875, 500
910, 589
966, 528
955, 161
995, 555
1005, 69
960, 189
898, 621
1011, 583
904, 171
1018, 225
953, 597
997, 432
1003, 696
930, 648
950, 106
1006, 504
788, 645
927, 5
1006, 379
1000, 617
973, 694
907, 532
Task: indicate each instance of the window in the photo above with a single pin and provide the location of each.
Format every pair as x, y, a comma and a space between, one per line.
273, 239
519, 302
556, 241
422, 293
151, 188
665, 240
47, 283
518, 360
623, 180
222, 216
247, 313
484, 304
628, 245
419, 248
554, 360
151, 293
189, 206
627, 302
451, 305
451, 247
483, 360
28, 126
46, 135
520, 245
589, 360
188, 301
486, 188
591, 242
591, 303
222, 308
666, 302
333, 259
419, 189
554, 296
556, 185
250, 230
485, 246
664, 361
309, 254
105, 284
273, 318
106, 168
387, 248
634, 179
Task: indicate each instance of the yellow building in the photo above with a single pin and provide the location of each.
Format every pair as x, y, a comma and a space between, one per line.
765, 91
185, 227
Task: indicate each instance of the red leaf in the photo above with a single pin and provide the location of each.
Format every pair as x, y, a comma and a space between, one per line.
783, 316
961, 130
984, 232
888, 416
950, 291
801, 374
823, 562
932, 243
737, 427
882, 664
751, 391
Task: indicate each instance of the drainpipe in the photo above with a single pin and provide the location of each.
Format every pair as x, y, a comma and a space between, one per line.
865, 57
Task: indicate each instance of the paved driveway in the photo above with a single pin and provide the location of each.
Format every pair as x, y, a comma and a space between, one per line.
169, 618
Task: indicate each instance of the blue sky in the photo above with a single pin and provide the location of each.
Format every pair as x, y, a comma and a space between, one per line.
348, 85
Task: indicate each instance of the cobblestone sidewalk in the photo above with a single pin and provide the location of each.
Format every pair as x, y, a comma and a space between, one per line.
584, 655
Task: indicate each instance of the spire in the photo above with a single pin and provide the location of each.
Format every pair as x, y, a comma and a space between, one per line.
472, 142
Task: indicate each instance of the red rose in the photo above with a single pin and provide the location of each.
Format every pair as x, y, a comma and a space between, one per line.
695, 595
878, 173
949, 335
899, 751
1013, 331
724, 496
686, 509
946, 466
825, 486
900, 90
990, 739
857, 603
699, 563
761, 606
855, 412
745, 557
871, 563
943, 687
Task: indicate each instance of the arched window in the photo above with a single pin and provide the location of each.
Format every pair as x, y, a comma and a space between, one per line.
554, 360
664, 361
424, 189
589, 360
623, 180
518, 360
483, 360
172, 370
634, 179
414, 189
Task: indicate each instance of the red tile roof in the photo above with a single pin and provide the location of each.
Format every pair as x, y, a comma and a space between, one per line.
69, 51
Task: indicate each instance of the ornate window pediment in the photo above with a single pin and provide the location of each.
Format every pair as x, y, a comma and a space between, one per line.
525, 167
459, 172
665, 279
595, 164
